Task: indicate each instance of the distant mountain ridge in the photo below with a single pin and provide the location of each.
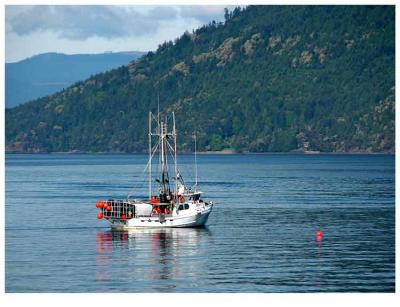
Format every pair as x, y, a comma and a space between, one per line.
268, 79
47, 73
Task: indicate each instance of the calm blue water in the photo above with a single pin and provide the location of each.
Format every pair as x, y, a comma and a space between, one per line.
260, 236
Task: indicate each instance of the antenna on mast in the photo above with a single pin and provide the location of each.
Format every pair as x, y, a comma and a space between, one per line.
158, 107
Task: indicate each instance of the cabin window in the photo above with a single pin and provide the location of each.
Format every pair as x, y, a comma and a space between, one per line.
180, 207
186, 206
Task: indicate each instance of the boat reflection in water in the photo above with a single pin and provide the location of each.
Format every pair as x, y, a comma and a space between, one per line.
157, 259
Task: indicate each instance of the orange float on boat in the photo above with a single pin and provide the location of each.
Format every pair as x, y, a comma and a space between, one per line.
99, 204
154, 200
100, 215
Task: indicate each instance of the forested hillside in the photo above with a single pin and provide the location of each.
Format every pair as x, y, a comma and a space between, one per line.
270, 78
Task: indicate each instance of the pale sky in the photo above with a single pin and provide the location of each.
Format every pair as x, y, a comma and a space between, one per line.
31, 30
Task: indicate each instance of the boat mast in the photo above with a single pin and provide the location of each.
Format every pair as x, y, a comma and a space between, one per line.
162, 135
176, 163
150, 154
162, 145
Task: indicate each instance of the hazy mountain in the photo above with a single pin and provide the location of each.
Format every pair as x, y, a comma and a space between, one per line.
269, 78
48, 73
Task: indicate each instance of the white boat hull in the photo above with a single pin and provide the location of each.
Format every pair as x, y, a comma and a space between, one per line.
192, 218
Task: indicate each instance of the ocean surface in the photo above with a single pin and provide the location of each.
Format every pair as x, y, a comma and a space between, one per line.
260, 236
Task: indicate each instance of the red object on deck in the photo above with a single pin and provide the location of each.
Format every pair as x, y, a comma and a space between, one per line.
108, 208
154, 200
123, 217
100, 215
99, 204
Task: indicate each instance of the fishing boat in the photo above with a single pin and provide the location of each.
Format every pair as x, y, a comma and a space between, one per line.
172, 203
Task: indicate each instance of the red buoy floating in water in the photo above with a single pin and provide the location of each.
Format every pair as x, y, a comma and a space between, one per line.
100, 215
318, 235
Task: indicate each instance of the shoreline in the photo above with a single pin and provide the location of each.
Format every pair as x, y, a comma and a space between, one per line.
205, 153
